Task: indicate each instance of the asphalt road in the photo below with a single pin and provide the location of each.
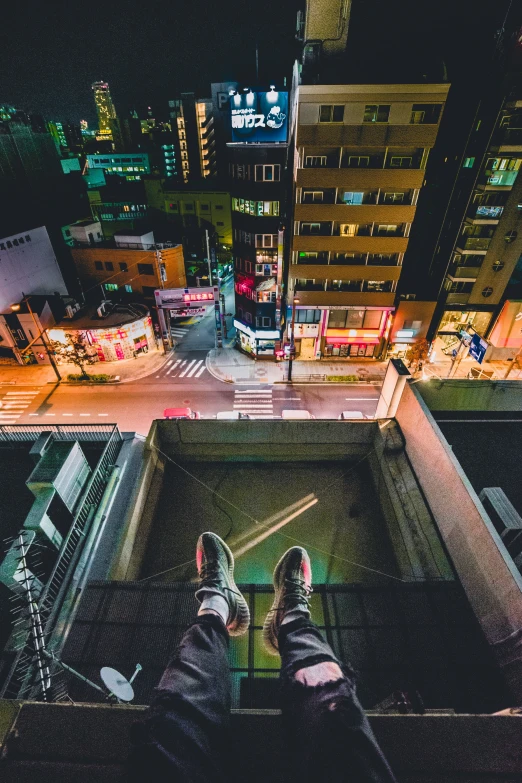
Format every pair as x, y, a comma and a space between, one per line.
134, 405
183, 381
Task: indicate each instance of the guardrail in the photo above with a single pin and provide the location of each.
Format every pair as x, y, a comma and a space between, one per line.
12, 433
22, 680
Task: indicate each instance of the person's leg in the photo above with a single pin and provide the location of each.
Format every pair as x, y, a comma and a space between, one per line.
328, 733
185, 735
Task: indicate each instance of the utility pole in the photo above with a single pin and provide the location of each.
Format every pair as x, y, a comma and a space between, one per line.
41, 334
223, 315
457, 358
208, 257
292, 340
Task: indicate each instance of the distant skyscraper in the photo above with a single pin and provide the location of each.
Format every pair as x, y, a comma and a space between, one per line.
104, 108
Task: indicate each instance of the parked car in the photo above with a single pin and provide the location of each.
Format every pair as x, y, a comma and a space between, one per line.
181, 413
352, 415
296, 414
231, 415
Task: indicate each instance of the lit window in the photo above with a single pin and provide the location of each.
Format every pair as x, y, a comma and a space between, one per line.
375, 113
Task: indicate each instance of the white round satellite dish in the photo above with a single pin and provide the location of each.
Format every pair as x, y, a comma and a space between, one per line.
117, 684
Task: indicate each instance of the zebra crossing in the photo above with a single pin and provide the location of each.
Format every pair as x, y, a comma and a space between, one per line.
258, 403
183, 368
14, 403
179, 332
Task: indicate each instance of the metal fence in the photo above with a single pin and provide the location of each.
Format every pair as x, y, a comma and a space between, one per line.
24, 433
22, 681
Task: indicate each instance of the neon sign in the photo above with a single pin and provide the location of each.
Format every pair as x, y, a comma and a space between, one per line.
198, 297
259, 116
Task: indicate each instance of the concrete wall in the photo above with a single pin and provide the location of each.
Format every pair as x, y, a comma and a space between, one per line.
486, 571
264, 441
464, 395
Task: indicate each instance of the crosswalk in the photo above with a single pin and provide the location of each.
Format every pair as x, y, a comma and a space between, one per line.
257, 403
183, 368
178, 331
14, 403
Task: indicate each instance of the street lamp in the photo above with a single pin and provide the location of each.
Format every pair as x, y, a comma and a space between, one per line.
15, 308
292, 341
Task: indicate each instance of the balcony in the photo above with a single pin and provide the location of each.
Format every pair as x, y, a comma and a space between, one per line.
485, 213
466, 272
355, 213
308, 285
345, 298
361, 272
360, 179
357, 244
474, 243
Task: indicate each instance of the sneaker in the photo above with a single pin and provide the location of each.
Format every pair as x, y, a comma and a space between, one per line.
293, 585
215, 564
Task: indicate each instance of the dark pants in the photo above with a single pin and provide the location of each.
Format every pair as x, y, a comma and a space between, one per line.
186, 735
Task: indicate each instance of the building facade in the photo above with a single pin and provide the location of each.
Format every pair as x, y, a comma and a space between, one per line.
194, 147
481, 238
131, 262
130, 165
360, 153
104, 109
258, 191
189, 207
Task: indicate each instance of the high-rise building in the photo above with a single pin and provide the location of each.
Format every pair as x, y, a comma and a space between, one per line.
104, 108
258, 159
192, 123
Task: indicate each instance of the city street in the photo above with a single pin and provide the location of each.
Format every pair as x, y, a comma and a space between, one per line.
134, 405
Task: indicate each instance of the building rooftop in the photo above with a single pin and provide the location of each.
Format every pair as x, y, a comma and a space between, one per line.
119, 315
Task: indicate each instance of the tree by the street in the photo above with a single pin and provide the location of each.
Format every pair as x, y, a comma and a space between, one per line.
74, 351
417, 353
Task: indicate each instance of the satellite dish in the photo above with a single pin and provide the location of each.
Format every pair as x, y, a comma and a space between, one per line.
117, 684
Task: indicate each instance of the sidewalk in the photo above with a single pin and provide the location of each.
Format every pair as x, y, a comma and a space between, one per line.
232, 366
127, 370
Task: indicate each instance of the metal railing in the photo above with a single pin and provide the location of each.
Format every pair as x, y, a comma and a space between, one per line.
23, 433
22, 679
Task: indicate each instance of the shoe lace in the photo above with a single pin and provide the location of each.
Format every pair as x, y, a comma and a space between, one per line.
209, 574
298, 590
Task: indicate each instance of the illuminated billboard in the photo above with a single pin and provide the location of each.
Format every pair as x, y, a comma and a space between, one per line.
259, 117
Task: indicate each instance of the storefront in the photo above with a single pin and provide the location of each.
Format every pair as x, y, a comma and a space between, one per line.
340, 332
506, 336
260, 343
129, 338
410, 325
453, 322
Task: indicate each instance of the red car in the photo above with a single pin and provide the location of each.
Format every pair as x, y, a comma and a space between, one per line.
181, 413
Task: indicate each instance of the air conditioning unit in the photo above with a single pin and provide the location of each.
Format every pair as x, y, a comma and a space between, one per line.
69, 312
104, 309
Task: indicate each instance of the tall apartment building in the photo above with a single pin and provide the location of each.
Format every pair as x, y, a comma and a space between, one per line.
360, 153
104, 109
258, 160
193, 123
480, 242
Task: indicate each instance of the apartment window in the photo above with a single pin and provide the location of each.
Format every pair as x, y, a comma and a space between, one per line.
331, 113
123, 266
310, 196
387, 229
266, 240
145, 269
21, 240
109, 266
204, 207
372, 319
375, 113
98, 265
2, 245
267, 322
315, 161
307, 316
219, 223
9, 244
310, 228
268, 173
15, 242
350, 197
401, 162
248, 318
189, 207
358, 161
218, 206
27, 238
348, 229
458, 287
425, 113
393, 198
468, 163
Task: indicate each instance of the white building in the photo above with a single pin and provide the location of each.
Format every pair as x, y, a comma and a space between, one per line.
28, 265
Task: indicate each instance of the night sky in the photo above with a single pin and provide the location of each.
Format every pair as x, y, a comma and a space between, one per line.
149, 51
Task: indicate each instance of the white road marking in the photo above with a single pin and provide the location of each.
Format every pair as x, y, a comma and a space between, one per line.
13, 405
169, 362
187, 368
20, 393
36, 414
261, 408
49, 414
360, 399
286, 398
195, 368
9, 416
63, 414
253, 391
103, 414
85, 414
201, 370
